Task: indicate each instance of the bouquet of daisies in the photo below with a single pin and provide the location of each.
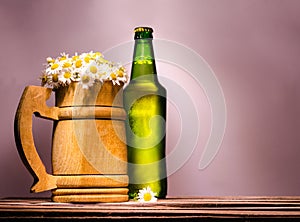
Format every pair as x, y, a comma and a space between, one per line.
86, 69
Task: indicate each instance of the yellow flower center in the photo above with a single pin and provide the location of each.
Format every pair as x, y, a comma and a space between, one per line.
67, 65
87, 59
78, 63
75, 57
67, 75
55, 77
96, 54
93, 69
147, 197
50, 60
54, 66
85, 79
44, 79
113, 76
120, 74
62, 58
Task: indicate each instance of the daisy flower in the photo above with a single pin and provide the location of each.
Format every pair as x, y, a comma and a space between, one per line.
113, 77
93, 69
85, 58
146, 195
63, 56
86, 80
104, 71
85, 68
95, 55
121, 74
75, 57
53, 68
117, 75
50, 60
67, 65
77, 65
66, 77
45, 79
54, 80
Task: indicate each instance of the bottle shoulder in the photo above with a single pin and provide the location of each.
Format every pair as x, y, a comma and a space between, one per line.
145, 86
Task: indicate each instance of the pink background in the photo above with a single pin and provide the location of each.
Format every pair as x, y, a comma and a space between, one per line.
252, 46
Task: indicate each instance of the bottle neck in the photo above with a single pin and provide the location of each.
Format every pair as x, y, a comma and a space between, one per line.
143, 64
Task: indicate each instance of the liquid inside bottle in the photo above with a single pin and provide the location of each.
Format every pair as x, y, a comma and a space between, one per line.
145, 104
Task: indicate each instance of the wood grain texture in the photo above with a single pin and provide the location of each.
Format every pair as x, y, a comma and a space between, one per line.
91, 181
90, 138
89, 147
91, 112
90, 191
90, 198
171, 209
98, 95
88, 144
33, 101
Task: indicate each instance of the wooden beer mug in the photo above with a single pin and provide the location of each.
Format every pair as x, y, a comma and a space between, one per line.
89, 155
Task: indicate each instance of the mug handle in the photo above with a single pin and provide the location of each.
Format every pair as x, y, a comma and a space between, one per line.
33, 101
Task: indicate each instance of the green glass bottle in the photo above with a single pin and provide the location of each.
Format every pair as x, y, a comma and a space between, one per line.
145, 104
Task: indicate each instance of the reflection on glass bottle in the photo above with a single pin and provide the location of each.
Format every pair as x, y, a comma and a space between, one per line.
145, 104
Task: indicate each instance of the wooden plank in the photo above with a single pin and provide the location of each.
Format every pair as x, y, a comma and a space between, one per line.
208, 208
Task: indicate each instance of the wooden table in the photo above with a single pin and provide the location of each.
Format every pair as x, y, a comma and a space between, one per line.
170, 209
